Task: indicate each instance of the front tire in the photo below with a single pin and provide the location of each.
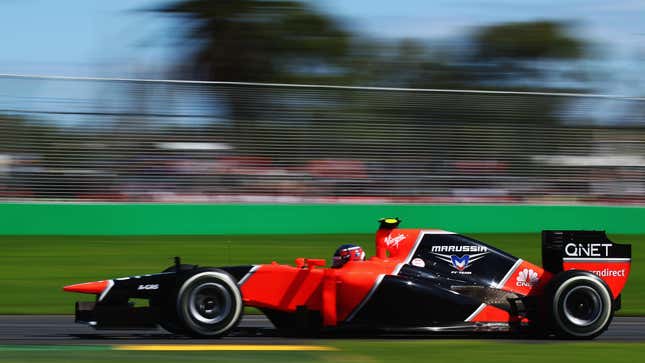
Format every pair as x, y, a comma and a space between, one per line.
209, 304
167, 304
579, 305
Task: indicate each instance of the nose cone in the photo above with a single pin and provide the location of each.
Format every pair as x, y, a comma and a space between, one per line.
96, 287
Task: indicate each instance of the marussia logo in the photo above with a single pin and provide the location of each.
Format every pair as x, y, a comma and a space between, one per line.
460, 263
527, 278
394, 241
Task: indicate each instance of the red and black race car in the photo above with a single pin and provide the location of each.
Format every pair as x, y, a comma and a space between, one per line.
419, 280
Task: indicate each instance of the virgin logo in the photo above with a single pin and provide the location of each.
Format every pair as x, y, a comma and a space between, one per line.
394, 241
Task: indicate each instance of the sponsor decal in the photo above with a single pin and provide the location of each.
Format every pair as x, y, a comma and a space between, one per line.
609, 273
527, 278
418, 262
462, 248
394, 241
587, 249
460, 262
149, 287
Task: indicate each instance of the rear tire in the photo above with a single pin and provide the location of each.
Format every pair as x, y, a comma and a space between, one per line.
209, 304
579, 305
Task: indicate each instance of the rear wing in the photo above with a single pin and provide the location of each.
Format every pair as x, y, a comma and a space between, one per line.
590, 251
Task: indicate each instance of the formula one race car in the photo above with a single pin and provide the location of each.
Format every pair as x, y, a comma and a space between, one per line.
419, 280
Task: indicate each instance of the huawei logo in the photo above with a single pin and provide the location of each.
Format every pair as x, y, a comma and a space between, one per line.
528, 278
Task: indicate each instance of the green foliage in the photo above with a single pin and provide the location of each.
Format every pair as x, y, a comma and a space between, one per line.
256, 40
527, 40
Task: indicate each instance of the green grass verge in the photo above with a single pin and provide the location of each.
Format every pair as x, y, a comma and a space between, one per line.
367, 351
33, 269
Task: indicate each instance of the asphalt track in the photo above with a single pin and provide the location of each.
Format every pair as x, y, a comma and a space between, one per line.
254, 329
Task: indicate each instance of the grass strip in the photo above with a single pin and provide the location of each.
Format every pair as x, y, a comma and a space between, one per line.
357, 351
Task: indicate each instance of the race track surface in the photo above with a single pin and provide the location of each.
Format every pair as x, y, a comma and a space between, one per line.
254, 329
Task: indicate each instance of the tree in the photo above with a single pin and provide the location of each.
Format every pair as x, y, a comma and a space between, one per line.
527, 40
503, 57
260, 40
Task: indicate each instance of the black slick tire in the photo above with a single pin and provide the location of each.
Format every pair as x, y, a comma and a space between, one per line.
209, 303
578, 305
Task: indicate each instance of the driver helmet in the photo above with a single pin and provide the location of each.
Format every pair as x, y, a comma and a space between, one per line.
347, 252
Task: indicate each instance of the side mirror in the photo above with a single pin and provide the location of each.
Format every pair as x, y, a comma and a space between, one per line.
313, 262
309, 263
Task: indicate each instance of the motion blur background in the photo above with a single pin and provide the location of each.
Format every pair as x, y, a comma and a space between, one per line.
237, 132
559, 120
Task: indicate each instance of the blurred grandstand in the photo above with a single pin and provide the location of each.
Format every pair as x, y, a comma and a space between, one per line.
223, 142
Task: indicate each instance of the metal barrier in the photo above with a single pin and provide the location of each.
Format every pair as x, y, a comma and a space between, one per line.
65, 139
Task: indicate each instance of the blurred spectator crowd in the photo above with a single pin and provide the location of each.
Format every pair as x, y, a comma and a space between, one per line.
312, 145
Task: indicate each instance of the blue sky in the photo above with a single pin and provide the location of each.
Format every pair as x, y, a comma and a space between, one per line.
111, 38
75, 37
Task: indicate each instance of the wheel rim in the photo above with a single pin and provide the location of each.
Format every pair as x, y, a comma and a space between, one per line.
209, 303
582, 305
